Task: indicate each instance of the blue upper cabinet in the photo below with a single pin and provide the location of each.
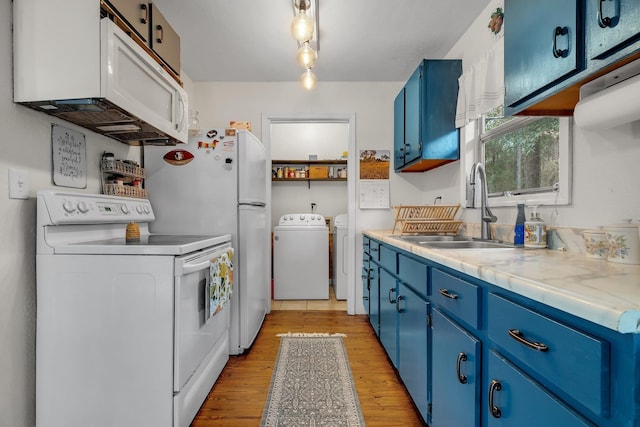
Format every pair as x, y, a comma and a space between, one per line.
553, 47
543, 44
611, 26
425, 135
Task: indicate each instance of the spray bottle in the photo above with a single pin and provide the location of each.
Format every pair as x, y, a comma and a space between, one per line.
535, 231
518, 229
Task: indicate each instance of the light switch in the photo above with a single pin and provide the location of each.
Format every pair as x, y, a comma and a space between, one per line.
18, 184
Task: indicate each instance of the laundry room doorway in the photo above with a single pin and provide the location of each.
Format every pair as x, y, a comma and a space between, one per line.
314, 144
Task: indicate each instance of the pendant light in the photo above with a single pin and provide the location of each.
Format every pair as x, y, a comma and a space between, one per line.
306, 56
302, 27
308, 79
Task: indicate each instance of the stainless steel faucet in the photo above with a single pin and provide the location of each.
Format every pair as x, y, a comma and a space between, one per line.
486, 216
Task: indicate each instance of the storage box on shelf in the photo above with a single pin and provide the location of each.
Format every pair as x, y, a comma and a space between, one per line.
122, 178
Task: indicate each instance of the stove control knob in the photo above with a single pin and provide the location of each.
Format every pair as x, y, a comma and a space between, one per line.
140, 209
291, 217
83, 208
147, 209
301, 217
124, 209
69, 207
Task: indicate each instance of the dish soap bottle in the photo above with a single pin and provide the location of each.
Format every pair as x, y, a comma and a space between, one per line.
535, 231
518, 230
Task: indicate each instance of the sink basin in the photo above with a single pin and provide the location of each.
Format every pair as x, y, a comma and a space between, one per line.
466, 244
431, 238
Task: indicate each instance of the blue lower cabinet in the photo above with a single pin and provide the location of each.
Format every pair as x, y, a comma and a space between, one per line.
514, 399
413, 358
456, 379
388, 315
374, 298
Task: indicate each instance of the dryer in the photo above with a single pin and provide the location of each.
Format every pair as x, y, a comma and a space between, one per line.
340, 256
301, 257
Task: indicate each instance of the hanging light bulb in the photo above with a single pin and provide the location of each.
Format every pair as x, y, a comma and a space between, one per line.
308, 79
306, 56
302, 26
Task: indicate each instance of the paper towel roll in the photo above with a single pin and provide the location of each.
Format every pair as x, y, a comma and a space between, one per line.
614, 106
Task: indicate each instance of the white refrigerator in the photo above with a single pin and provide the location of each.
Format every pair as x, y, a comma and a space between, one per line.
217, 184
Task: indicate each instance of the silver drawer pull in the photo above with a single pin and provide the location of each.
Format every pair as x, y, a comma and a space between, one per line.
518, 336
495, 411
462, 357
445, 293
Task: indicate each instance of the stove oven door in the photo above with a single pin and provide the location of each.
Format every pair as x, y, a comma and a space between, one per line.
201, 327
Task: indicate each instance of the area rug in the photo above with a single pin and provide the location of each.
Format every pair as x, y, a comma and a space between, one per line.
312, 384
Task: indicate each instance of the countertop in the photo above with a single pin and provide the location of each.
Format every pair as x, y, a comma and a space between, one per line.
602, 292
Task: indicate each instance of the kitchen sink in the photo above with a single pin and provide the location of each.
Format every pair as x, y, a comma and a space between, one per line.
466, 244
431, 238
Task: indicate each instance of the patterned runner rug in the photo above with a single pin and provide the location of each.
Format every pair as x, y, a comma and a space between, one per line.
312, 384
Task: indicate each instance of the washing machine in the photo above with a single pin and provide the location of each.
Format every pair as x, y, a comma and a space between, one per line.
340, 257
301, 257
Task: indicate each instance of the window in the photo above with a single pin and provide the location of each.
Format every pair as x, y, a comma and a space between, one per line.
526, 157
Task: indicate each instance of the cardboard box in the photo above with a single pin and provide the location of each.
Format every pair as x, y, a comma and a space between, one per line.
318, 172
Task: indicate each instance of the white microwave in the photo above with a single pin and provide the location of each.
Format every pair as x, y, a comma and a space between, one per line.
112, 86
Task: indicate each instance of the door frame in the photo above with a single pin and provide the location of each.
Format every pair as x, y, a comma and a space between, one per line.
350, 119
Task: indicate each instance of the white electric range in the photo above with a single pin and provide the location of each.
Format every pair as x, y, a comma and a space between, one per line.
128, 333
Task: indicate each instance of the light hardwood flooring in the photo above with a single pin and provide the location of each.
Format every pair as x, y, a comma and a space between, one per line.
240, 393
319, 304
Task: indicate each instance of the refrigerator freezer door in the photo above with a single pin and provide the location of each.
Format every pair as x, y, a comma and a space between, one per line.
252, 169
198, 196
253, 255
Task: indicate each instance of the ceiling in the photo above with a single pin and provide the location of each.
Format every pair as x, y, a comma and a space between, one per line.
360, 40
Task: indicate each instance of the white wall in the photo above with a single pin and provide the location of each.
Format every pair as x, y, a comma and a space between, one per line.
26, 145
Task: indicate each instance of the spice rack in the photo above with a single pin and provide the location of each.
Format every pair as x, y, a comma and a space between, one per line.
121, 177
434, 219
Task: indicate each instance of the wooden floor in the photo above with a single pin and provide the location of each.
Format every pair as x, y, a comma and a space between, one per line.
240, 393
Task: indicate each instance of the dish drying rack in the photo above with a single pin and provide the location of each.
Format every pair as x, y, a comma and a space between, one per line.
424, 219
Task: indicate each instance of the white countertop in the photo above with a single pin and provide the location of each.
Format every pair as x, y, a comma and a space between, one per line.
602, 292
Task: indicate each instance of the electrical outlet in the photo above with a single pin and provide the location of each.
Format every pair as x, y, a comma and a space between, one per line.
18, 184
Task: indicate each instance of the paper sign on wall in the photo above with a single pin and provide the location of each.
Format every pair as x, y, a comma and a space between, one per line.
69, 157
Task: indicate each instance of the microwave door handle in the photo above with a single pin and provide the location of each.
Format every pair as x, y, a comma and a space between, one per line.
182, 107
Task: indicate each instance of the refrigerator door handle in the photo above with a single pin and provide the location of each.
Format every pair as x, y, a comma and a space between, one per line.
259, 204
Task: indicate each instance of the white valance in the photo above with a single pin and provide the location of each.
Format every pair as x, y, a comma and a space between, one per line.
481, 87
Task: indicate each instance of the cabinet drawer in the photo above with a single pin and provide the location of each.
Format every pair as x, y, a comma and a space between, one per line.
414, 273
573, 362
366, 244
514, 399
389, 259
456, 296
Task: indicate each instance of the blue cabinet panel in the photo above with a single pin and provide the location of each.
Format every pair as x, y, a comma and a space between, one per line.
389, 259
374, 298
458, 297
388, 314
514, 399
456, 376
412, 109
570, 361
611, 25
543, 44
412, 345
413, 273
398, 130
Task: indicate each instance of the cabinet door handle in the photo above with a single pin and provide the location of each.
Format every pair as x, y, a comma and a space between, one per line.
604, 21
559, 31
398, 309
445, 293
391, 301
462, 357
145, 16
519, 336
160, 34
374, 249
495, 386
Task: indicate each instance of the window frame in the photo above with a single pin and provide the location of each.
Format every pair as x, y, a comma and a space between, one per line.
561, 194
